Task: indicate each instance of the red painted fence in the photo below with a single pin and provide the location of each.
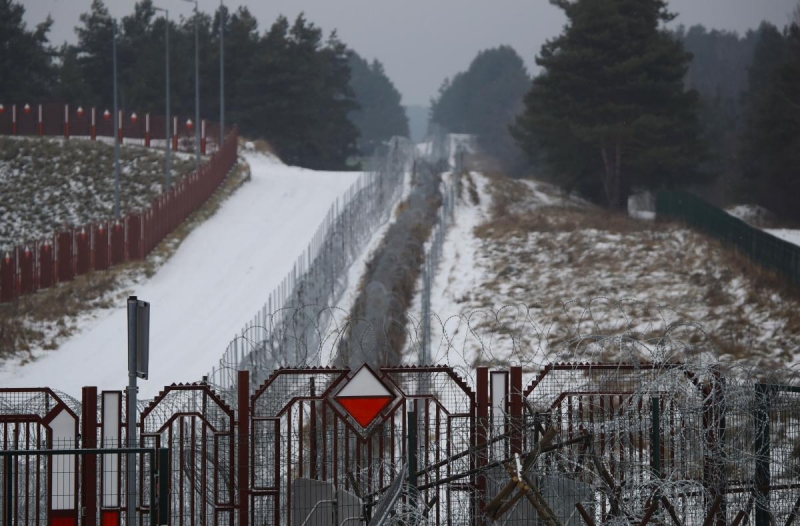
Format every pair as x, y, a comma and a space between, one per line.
76, 251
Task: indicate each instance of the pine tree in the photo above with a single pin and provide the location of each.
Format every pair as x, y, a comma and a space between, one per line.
380, 115
26, 70
771, 145
484, 101
609, 112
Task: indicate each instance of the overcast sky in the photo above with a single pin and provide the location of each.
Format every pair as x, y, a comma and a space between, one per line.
420, 42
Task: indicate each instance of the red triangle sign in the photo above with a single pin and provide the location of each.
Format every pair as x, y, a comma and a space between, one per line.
364, 397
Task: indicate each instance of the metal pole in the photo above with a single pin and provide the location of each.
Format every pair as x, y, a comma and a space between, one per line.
196, 92
130, 417
116, 124
163, 486
168, 137
655, 438
221, 73
8, 491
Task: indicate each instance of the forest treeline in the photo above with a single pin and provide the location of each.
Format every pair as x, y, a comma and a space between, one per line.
317, 102
624, 102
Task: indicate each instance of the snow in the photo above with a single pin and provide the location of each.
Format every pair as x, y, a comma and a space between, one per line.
518, 289
752, 214
792, 236
218, 277
337, 326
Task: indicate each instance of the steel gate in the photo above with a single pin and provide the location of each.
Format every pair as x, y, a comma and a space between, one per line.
307, 424
197, 427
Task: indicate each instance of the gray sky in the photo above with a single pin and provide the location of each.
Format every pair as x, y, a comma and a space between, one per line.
420, 42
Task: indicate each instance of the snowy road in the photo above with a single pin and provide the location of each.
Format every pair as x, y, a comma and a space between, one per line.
200, 298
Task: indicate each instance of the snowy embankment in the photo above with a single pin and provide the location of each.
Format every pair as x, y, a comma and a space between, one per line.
216, 279
529, 276
760, 217
47, 183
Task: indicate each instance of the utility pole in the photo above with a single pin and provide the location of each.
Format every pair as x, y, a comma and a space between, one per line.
168, 137
117, 124
196, 90
221, 73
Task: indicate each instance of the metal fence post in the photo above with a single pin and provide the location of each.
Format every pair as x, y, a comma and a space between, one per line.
762, 446
163, 486
8, 491
89, 462
243, 430
655, 437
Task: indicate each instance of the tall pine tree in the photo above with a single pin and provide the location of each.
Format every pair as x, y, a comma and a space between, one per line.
771, 144
26, 71
609, 112
484, 101
380, 115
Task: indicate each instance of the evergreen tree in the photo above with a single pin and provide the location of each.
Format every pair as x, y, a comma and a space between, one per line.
380, 115
718, 71
609, 112
25, 56
771, 145
484, 101
94, 55
298, 96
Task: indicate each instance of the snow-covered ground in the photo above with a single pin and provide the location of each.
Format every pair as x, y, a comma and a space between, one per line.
529, 276
792, 236
218, 277
46, 183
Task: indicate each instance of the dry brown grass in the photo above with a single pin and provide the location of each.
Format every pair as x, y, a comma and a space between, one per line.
533, 252
44, 319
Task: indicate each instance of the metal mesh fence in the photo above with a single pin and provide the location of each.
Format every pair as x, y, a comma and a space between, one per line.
286, 331
762, 247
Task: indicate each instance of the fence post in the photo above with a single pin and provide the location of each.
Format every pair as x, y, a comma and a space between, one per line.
8, 491
412, 449
515, 403
655, 437
89, 471
243, 429
762, 446
313, 430
163, 486
481, 434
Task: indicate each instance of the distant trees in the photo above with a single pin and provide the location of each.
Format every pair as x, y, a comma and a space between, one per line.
484, 101
25, 55
609, 113
771, 141
719, 73
290, 85
297, 95
379, 116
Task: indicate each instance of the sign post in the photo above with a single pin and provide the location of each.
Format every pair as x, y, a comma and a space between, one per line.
138, 365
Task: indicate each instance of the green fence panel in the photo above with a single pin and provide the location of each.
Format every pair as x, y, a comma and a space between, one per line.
761, 247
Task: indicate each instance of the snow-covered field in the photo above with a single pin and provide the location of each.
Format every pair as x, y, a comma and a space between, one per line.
528, 274
218, 277
47, 183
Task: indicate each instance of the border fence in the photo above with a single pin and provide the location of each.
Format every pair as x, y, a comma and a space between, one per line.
285, 331
761, 247
69, 120
78, 250
578, 443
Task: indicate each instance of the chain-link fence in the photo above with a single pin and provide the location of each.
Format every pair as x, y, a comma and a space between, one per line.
285, 331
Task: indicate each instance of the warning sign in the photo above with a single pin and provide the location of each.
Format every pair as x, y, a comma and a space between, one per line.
364, 397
